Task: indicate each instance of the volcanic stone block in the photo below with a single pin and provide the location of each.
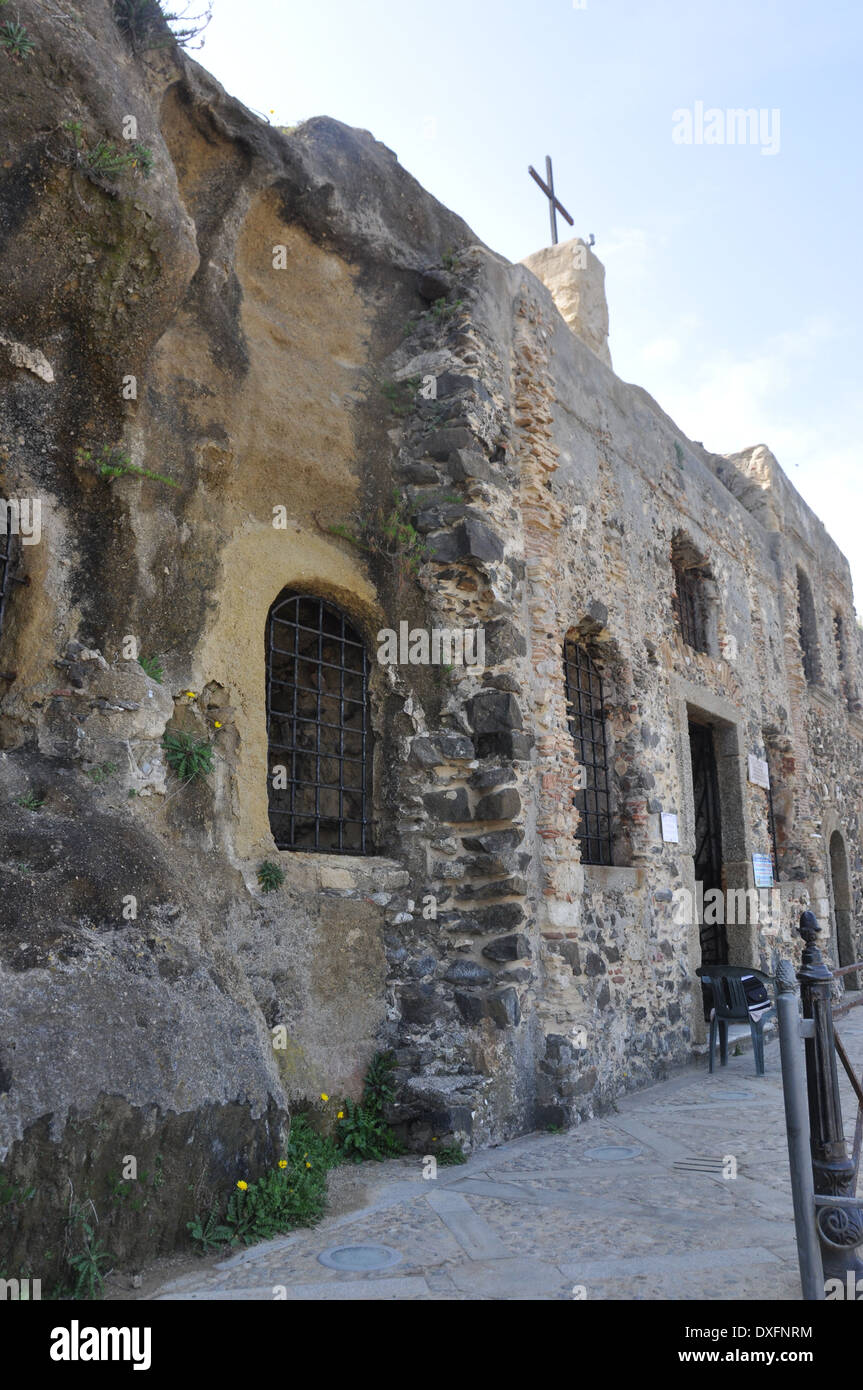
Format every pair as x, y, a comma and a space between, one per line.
500, 888
430, 750
494, 712
499, 805
470, 540
472, 1007
449, 805
443, 443
504, 1008
467, 972
499, 917
420, 1003
514, 947
465, 465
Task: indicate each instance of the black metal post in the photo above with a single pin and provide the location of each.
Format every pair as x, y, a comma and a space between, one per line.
840, 1227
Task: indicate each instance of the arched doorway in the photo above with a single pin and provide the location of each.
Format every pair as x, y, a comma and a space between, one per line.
842, 905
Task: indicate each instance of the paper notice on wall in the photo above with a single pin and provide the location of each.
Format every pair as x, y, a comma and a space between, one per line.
762, 868
759, 772
670, 833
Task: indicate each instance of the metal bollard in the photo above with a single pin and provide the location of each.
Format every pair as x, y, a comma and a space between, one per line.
840, 1226
797, 1128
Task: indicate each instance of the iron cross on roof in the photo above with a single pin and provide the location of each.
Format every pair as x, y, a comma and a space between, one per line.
554, 207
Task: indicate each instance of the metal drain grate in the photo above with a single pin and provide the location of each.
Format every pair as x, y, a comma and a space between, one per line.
360, 1258
614, 1153
714, 1166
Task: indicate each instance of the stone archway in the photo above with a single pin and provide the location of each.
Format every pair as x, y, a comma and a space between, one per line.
841, 896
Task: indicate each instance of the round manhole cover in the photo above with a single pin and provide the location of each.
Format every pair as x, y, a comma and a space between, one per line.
360, 1257
613, 1153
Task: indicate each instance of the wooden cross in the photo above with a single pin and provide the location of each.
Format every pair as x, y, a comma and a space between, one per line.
554, 207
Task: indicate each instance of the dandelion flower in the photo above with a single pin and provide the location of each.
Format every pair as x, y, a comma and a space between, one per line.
324, 1096
190, 694
283, 1163
308, 1165
242, 1185
217, 723
341, 1115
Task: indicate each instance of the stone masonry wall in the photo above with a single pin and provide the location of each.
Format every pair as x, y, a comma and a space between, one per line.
284, 301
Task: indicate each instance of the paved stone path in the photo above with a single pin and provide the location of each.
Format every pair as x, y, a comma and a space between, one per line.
553, 1216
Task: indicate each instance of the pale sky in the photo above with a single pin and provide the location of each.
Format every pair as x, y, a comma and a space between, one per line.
733, 277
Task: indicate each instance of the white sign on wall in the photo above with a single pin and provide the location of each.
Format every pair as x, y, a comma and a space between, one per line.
670, 833
759, 772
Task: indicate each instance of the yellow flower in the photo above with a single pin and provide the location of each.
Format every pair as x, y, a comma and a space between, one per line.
191, 694
217, 724
283, 1163
341, 1115
324, 1095
308, 1165
242, 1185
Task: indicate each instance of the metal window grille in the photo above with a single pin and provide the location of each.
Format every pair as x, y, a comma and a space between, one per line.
689, 607
584, 693
7, 558
317, 728
806, 627
839, 637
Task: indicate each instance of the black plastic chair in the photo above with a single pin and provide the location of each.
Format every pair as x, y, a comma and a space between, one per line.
730, 1005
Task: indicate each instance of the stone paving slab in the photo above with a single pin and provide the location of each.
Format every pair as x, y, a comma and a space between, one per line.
545, 1218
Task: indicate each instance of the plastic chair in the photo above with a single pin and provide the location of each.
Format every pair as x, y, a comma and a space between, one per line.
731, 1006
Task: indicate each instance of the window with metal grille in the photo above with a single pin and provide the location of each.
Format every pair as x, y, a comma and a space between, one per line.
318, 734
689, 605
839, 638
7, 558
586, 700
807, 628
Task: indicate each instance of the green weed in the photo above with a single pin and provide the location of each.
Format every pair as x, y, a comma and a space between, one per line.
147, 24
101, 772
115, 463
270, 876
362, 1133
152, 666
189, 757
449, 1154
15, 41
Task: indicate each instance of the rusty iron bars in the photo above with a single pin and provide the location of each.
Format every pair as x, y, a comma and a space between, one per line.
318, 730
7, 577
586, 698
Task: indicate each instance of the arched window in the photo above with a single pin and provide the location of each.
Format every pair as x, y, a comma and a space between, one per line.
689, 599
807, 628
318, 734
585, 697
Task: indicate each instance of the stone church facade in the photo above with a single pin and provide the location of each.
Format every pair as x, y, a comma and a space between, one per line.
368, 422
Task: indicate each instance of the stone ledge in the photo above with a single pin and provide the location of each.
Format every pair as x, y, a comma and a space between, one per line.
311, 870
608, 877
